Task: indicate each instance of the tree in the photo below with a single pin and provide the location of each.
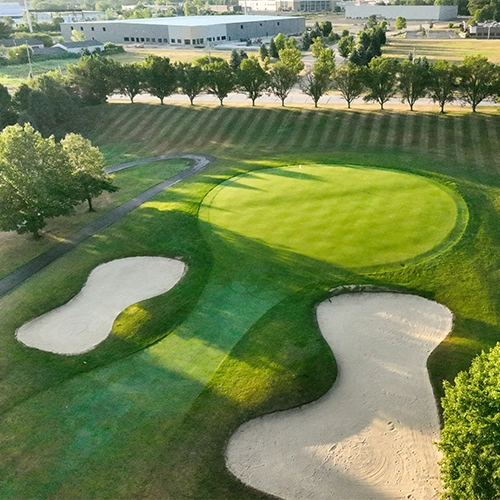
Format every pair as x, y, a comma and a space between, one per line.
48, 103
346, 46
326, 28
252, 78
237, 56
281, 80
400, 23
130, 79
470, 439
305, 40
349, 79
5, 29
380, 80
87, 168
442, 83
318, 81
263, 52
292, 58
220, 79
484, 10
77, 36
160, 76
35, 180
478, 80
413, 80
280, 41
8, 115
273, 50
191, 80
95, 78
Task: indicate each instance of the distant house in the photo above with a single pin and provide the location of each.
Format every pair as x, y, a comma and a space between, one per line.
8, 43
12, 10
77, 47
485, 31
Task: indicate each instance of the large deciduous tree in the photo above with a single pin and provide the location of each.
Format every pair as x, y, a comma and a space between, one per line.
470, 439
442, 84
35, 180
318, 81
349, 80
130, 79
380, 80
252, 78
160, 76
220, 79
191, 79
484, 10
413, 80
87, 167
95, 77
8, 115
478, 80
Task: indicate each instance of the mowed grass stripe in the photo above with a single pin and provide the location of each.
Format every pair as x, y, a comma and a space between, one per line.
168, 119
470, 151
423, 141
441, 135
492, 132
326, 117
432, 134
359, 131
188, 119
245, 125
222, 122
254, 133
289, 122
394, 129
272, 131
384, 128
269, 129
375, 130
314, 129
136, 125
195, 137
458, 138
331, 127
343, 128
296, 137
409, 126
123, 119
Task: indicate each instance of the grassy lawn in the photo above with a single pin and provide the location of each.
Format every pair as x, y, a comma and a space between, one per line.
453, 49
148, 412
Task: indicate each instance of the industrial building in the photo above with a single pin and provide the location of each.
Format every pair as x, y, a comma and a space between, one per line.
485, 31
288, 5
189, 30
409, 12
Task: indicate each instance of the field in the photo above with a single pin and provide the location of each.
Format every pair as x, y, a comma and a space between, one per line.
147, 414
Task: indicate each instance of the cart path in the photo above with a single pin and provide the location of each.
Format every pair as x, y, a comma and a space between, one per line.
27, 270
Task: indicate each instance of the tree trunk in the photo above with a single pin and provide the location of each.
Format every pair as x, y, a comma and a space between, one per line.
221, 99
348, 104
192, 100
283, 101
161, 100
89, 201
36, 234
442, 108
132, 99
253, 101
474, 107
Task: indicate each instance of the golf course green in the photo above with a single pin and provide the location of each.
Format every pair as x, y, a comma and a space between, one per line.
348, 217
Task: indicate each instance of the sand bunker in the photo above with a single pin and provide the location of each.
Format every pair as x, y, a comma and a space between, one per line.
371, 436
86, 320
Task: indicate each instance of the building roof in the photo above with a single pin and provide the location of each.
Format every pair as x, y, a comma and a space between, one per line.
10, 9
194, 20
15, 42
79, 45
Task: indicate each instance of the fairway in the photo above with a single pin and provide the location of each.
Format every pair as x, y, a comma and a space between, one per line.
348, 217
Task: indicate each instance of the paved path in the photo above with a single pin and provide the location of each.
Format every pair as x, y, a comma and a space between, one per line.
27, 270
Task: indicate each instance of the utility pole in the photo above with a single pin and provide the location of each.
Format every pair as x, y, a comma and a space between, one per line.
30, 74
28, 16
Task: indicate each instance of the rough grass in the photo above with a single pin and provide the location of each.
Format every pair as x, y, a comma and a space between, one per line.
238, 337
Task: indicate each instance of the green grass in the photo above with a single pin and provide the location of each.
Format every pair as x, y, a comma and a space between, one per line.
349, 217
147, 413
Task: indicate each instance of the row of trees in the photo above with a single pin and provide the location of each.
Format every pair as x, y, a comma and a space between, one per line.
41, 178
473, 81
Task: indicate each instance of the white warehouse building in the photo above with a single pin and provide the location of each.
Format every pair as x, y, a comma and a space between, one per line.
189, 30
409, 12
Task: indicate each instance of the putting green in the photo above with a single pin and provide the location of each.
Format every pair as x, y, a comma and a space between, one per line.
349, 217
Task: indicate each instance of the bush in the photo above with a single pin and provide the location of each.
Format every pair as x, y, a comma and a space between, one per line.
470, 439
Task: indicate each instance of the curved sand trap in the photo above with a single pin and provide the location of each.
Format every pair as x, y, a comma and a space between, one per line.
86, 320
371, 436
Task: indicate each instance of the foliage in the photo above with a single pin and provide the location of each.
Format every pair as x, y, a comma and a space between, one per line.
252, 78
349, 79
280, 41
87, 168
35, 180
5, 30
19, 54
346, 46
95, 78
48, 103
484, 10
220, 80
77, 36
236, 57
380, 80
400, 23
8, 115
291, 58
160, 76
305, 40
442, 83
470, 439
413, 80
281, 80
370, 41
326, 28
263, 52
273, 50
318, 81
478, 80
191, 79
130, 79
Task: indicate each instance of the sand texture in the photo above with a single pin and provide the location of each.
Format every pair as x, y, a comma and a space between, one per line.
371, 436
86, 320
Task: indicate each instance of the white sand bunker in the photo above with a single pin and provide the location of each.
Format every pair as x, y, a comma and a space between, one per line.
86, 320
371, 436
